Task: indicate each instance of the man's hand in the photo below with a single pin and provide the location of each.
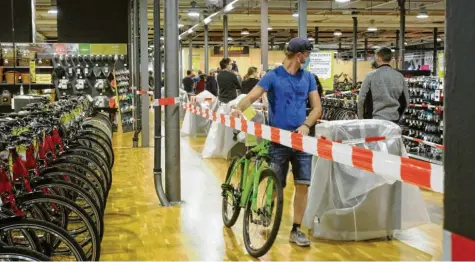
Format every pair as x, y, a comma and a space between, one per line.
237, 113
303, 130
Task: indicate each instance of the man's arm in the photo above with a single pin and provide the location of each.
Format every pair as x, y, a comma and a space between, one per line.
247, 101
316, 112
362, 95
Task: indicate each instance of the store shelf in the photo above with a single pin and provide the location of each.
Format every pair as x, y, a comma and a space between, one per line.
425, 159
25, 85
27, 67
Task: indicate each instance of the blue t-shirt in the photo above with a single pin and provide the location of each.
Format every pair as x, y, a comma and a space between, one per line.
287, 96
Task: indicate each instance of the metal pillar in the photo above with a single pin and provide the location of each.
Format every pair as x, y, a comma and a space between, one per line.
402, 31
172, 112
206, 51
225, 32
397, 49
136, 72
264, 35
302, 18
157, 149
316, 35
33, 21
144, 99
355, 49
366, 49
459, 181
190, 53
434, 54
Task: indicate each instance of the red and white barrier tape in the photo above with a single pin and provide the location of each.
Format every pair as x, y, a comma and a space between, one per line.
364, 140
342, 93
392, 167
166, 101
424, 142
457, 247
143, 92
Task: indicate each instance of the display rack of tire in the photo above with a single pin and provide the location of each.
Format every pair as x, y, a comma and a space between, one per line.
55, 175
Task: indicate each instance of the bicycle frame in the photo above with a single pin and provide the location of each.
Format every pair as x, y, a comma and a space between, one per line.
250, 179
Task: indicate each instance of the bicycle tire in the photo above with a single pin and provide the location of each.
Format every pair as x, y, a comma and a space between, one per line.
77, 179
93, 155
97, 131
229, 222
59, 165
33, 224
101, 145
96, 215
21, 254
278, 218
34, 199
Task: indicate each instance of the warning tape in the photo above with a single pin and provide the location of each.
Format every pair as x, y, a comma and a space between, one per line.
166, 101
424, 142
370, 139
419, 173
457, 247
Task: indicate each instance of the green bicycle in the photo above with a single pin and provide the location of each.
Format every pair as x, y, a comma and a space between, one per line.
257, 189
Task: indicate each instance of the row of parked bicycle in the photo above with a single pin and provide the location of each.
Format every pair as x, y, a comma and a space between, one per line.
55, 175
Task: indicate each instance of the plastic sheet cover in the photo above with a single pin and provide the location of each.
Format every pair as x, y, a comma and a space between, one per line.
194, 125
346, 203
220, 138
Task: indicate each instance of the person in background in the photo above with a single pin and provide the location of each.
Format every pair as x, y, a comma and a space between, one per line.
228, 82
384, 94
200, 86
234, 66
188, 81
374, 65
250, 80
211, 83
151, 80
288, 87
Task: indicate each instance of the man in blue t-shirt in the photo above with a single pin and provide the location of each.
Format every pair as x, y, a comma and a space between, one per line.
288, 87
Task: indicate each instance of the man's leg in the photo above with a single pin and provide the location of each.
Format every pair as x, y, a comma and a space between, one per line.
301, 168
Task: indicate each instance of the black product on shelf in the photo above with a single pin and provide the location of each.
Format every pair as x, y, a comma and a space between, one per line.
424, 118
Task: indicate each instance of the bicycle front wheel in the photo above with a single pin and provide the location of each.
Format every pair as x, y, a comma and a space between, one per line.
262, 221
21, 254
232, 192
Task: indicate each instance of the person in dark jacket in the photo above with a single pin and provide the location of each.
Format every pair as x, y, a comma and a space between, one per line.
200, 86
188, 82
228, 82
250, 80
211, 84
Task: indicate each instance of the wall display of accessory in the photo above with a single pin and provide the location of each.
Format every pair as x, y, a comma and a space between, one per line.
340, 107
90, 69
25, 69
424, 118
125, 95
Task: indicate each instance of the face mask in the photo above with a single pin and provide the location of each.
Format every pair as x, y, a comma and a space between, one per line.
306, 63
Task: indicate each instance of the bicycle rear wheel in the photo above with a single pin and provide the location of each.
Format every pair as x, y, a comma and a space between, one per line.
232, 191
21, 254
265, 219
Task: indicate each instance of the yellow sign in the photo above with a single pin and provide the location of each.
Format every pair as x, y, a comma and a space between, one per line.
196, 60
33, 71
108, 49
441, 65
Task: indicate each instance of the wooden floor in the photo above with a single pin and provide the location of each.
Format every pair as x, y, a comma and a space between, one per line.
137, 228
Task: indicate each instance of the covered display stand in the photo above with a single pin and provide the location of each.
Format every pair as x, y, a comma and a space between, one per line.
346, 203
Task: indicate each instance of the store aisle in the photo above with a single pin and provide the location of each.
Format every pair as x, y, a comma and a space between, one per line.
137, 228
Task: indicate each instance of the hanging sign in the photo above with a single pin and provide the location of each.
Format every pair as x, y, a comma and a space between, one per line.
84, 49
72, 49
60, 49
232, 51
441, 65
321, 64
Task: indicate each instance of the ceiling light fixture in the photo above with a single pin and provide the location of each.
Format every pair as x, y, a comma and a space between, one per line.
180, 25
439, 39
269, 28
230, 38
337, 33
376, 47
207, 20
423, 13
311, 39
296, 11
342, 1
190, 31
245, 31
193, 11
53, 10
372, 27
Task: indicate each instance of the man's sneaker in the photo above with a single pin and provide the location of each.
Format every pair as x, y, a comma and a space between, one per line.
299, 238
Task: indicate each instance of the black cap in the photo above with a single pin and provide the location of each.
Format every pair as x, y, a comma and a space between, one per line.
297, 45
